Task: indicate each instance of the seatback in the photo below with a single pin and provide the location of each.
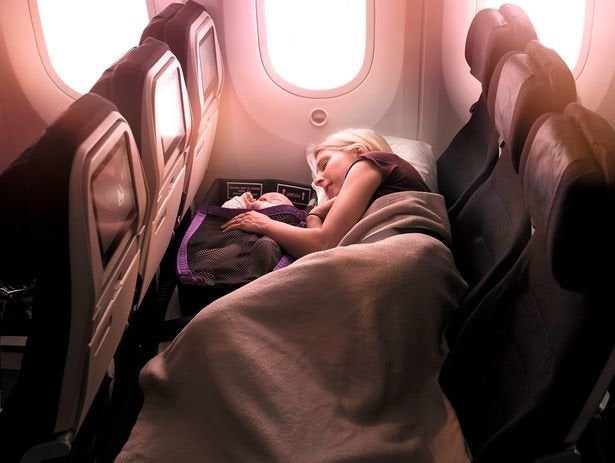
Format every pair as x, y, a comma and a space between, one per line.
191, 35
472, 153
155, 26
528, 357
524, 86
72, 226
148, 87
492, 228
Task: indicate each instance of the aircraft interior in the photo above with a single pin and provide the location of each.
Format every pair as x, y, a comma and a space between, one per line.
170, 289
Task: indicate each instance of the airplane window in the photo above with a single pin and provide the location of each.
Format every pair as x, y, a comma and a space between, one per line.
559, 25
314, 45
84, 37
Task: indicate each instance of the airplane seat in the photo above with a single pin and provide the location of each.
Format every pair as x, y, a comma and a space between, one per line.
191, 36
75, 220
148, 87
155, 26
514, 106
492, 228
472, 153
534, 359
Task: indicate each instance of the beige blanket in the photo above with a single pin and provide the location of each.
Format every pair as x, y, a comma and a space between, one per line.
332, 359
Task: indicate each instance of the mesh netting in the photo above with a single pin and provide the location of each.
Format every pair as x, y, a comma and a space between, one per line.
236, 257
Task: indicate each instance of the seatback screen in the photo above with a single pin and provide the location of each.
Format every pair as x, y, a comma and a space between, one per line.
169, 112
209, 65
114, 200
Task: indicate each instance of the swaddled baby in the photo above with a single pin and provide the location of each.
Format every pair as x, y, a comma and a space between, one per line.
247, 201
210, 258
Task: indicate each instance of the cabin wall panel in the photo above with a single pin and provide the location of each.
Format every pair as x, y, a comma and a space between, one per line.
596, 82
263, 130
439, 119
460, 89
29, 100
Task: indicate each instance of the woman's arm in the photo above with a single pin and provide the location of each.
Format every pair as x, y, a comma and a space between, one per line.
317, 215
355, 194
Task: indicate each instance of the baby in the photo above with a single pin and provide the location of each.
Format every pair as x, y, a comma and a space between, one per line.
247, 201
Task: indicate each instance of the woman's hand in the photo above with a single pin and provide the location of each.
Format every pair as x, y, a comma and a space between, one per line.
251, 221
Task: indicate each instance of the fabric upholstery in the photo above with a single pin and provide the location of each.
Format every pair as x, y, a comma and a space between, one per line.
42, 221
492, 228
177, 32
526, 359
122, 83
156, 25
524, 86
471, 155
492, 34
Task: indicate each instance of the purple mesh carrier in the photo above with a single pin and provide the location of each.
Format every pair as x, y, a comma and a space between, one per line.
208, 257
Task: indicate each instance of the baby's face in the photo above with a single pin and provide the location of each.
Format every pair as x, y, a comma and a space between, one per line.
275, 198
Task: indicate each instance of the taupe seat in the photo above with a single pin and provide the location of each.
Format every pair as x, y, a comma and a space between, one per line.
147, 85
190, 33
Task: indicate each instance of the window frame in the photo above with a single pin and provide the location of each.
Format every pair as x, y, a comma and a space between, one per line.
41, 44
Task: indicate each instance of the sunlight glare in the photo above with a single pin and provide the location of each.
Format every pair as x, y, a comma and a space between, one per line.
85, 37
559, 24
316, 44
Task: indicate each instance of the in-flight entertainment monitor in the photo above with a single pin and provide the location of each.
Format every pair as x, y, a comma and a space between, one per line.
114, 200
209, 66
170, 121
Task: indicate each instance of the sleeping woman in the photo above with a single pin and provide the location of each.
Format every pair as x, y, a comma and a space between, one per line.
333, 358
354, 167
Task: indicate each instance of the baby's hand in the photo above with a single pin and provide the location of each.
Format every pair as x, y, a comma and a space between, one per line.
248, 200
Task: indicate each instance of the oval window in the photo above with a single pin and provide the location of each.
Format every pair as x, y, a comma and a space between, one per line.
316, 48
85, 37
559, 25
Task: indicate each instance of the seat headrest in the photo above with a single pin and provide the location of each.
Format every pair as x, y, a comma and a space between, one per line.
177, 31
123, 82
492, 34
35, 220
555, 72
599, 135
567, 169
524, 86
520, 23
155, 27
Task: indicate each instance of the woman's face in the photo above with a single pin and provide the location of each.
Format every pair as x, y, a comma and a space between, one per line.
331, 168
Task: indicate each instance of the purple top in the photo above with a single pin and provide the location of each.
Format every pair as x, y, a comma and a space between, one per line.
397, 174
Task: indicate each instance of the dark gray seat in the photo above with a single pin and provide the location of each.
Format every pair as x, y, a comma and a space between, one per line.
523, 370
493, 227
472, 153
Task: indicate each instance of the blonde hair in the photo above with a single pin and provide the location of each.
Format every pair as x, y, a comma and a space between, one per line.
365, 140
345, 140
